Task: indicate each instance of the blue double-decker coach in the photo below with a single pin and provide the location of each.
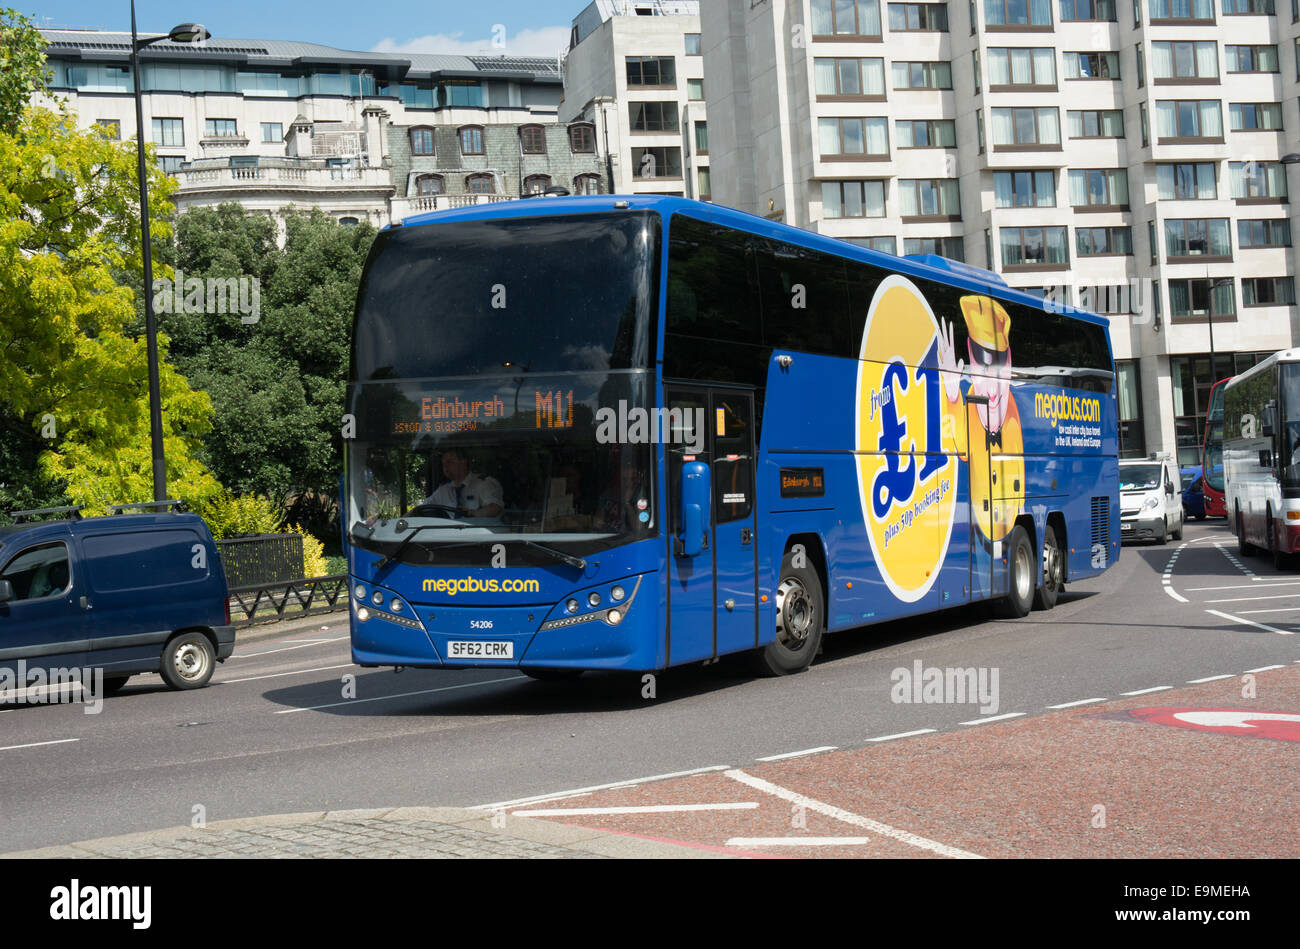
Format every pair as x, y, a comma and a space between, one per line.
632, 432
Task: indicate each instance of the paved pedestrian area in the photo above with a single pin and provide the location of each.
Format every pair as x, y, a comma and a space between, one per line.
385, 832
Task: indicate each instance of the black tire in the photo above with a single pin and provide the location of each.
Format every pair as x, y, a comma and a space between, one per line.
552, 675
1182, 520
1243, 549
1281, 561
800, 621
1020, 576
113, 685
1164, 534
1200, 517
188, 661
1053, 572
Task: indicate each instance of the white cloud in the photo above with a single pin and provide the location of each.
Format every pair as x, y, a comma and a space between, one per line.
547, 41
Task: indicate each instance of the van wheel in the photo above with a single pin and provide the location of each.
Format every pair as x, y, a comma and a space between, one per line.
1182, 520
1053, 572
800, 621
1164, 534
188, 661
114, 685
1020, 570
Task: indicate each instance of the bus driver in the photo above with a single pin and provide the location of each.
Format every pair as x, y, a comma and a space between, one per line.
469, 494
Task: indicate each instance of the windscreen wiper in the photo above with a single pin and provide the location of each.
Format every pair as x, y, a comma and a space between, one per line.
561, 556
401, 545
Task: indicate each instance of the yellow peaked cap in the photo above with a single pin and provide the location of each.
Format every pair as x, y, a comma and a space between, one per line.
988, 322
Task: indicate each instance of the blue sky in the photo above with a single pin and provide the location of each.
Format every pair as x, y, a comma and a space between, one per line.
532, 27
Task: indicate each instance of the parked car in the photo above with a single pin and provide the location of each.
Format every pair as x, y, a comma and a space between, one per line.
1150, 507
127, 593
1193, 496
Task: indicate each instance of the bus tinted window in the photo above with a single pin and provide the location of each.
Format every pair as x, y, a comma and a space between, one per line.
805, 301
711, 283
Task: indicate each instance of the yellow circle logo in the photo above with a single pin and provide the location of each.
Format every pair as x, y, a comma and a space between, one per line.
906, 481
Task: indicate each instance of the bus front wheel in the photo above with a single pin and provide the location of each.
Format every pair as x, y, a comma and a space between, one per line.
800, 621
1020, 575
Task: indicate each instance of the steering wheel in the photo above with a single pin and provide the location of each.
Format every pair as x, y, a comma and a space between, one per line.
433, 510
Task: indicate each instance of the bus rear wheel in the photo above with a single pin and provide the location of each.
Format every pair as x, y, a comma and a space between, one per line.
1053, 572
1020, 576
800, 621
1244, 548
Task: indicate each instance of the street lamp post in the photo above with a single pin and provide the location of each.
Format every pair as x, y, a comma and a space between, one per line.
185, 33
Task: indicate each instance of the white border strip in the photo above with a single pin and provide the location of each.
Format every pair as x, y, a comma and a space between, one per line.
635, 809
798, 754
578, 792
1251, 622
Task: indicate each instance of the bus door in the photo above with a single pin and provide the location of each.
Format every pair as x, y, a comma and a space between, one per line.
712, 601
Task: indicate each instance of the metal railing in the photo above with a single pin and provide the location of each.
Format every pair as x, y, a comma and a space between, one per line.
271, 602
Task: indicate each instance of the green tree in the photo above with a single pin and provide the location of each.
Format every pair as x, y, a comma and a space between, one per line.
22, 67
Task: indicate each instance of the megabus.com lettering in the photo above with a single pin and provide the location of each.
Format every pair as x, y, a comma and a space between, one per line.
474, 585
1066, 408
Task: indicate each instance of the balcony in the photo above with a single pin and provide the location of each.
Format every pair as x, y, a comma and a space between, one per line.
282, 178
403, 208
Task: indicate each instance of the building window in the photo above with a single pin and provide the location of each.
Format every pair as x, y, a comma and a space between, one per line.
1023, 13
1151, 242
1191, 300
1186, 61
1025, 127
658, 71
1099, 188
1182, 119
692, 44
1095, 123
536, 184
838, 19
587, 184
1255, 116
856, 78
1197, 238
1092, 65
582, 139
975, 68
918, 18
171, 163
886, 245
219, 128
1034, 247
168, 132
1181, 11
926, 133
1251, 58
652, 116
695, 89
1257, 181
853, 199
1024, 189
1186, 181
1021, 68
422, 141
657, 162
1085, 10
1146, 126
988, 248
701, 138
1103, 241
532, 140
1267, 291
349, 221
428, 184
1247, 7
471, 140
979, 128
480, 184
853, 137
706, 188
112, 128
1268, 233
950, 247
1132, 443
937, 75
929, 197
272, 132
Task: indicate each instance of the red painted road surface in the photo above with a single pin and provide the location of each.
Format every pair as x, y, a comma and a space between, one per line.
1112, 779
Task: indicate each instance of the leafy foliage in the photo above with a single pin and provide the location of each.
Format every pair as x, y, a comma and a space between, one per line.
22, 66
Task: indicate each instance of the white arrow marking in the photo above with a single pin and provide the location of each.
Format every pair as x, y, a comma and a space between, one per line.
1234, 719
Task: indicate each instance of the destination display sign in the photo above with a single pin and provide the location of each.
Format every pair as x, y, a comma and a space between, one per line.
803, 482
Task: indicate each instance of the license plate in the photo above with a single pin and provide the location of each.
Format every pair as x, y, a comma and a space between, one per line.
480, 649
1126, 527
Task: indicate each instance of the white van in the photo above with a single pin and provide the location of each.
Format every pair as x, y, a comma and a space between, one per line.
1150, 500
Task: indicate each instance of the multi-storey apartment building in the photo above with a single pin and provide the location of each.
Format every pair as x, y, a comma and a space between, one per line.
364, 136
635, 69
1125, 154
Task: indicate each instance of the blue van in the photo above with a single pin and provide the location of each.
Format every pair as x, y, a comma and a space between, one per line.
126, 593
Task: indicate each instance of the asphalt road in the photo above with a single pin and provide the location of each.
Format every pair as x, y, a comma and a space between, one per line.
275, 734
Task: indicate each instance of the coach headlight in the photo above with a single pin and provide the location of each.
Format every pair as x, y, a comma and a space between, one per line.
359, 592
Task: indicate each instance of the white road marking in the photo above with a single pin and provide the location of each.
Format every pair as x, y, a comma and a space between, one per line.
1251, 622
1266, 668
399, 695
578, 792
797, 841
1245, 586
1170, 590
798, 754
1157, 688
1077, 702
919, 731
1252, 599
1280, 609
1233, 560
1207, 679
636, 809
1233, 718
994, 718
37, 744
315, 642
276, 675
857, 820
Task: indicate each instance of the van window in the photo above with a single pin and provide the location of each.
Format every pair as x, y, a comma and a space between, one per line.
144, 559
39, 572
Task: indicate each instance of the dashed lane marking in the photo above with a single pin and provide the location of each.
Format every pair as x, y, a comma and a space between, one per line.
857, 820
1078, 702
1252, 599
1246, 586
798, 754
919, 731
797, 841
1232, 558
1208, 679
992, 718
1265, 669
1251, 622
635, 809
1154, 688
578, 792
38, 744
